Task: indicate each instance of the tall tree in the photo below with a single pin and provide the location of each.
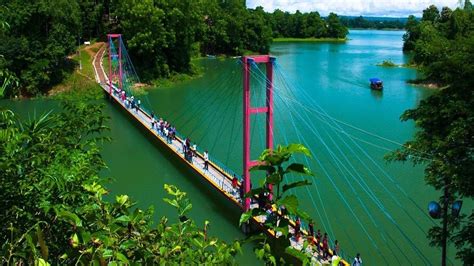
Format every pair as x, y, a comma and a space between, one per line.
143, 26
412, 33
335, 28
431, 14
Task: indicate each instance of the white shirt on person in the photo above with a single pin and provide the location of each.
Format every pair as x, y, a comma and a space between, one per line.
357, 262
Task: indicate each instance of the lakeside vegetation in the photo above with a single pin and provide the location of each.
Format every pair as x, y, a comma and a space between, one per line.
442, 44
388, 63
63, 219
163, 36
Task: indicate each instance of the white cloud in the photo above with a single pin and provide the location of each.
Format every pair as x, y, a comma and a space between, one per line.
389, 8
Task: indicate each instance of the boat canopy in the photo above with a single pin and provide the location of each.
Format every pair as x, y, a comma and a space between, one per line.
375, 80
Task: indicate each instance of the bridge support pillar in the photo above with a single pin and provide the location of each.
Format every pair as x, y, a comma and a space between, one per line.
115, 72
247, 63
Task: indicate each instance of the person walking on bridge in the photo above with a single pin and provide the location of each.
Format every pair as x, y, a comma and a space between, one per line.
235, 183
193, 151
357, 260
318, 240
297, 229
335, 251
311, 228
206, 160
137, 106
325, 246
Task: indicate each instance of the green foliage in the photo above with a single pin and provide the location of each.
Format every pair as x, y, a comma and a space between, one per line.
387, 63
412, 33
273, 162
41, 34
443, 47
335, 27
306, 25
53, 210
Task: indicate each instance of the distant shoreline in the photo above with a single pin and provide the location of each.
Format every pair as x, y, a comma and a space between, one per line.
384, 29
310, 40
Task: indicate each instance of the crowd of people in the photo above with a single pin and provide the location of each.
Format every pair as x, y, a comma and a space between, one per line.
165, 129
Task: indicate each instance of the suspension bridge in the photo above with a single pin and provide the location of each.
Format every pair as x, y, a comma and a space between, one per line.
120, 76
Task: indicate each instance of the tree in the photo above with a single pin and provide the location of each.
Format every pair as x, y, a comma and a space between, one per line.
412, 33
431, 14
335, 27
468, 5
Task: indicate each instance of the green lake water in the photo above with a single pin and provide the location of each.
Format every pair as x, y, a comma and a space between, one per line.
370, 206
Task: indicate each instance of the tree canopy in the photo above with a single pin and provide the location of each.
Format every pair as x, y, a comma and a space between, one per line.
443, 46
53, 206
306, 25
162, 36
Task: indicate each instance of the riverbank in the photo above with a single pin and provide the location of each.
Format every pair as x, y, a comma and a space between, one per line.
426, 84
337, 40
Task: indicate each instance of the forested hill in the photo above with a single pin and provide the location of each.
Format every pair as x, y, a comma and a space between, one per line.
162, 36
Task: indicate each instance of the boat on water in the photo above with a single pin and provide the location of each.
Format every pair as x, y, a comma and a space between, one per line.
376, 84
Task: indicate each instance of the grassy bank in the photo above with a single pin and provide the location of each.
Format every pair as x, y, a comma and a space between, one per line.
310, 40
81, 82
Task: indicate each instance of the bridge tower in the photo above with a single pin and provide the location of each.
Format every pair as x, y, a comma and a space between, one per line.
248, 110
115, 56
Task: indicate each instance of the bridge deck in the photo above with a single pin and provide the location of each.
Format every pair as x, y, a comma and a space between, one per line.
215, 175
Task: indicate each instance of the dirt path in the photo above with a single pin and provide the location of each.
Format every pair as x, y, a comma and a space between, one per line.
99, 71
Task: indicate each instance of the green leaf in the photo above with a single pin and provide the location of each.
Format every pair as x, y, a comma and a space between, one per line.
298, 168
70, 217
260, 253
256, 191
272, 260
107, 253
121, 257
297, 254
274, 179
95, 188
186, 208
302, 214
291, 203
123, 219
171, 202
121, 199
262, 167
74, 240
298, 148
41, 262
245, 217
198, 243
296, 184
127, 244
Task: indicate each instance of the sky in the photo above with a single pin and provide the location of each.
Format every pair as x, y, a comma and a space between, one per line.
384, 8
